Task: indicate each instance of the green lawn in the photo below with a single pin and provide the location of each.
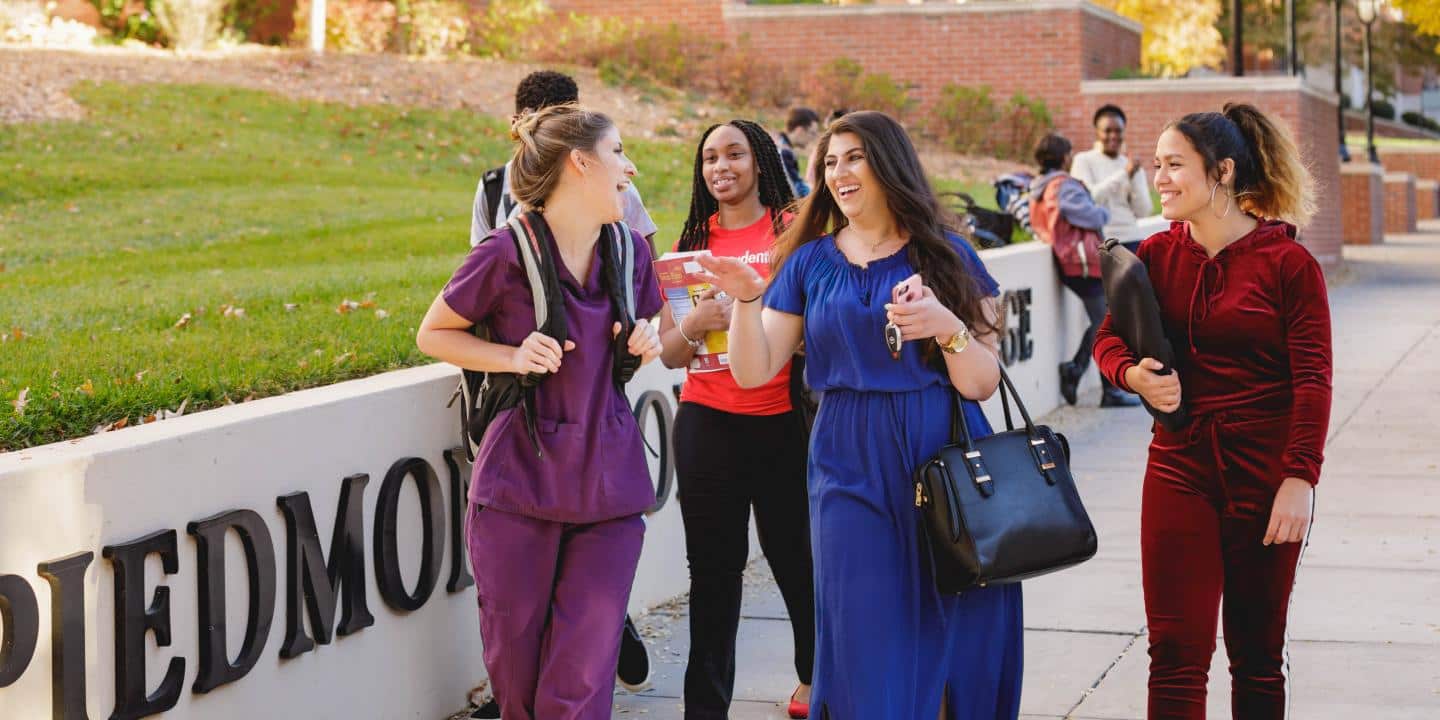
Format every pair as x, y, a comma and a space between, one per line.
172, 200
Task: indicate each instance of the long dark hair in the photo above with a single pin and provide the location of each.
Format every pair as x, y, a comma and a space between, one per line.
1271, 181
893, 160
775, 190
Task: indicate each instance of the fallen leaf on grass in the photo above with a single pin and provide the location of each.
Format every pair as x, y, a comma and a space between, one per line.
21, 401
86, 389
290, 307
164, 414
183, 322
130, 250
341, 360
141, 375
72, 207
382, 314
346, 306
17, 334
118, 424
367, 304
230, 311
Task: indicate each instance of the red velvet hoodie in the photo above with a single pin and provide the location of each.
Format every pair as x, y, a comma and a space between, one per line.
1251, 329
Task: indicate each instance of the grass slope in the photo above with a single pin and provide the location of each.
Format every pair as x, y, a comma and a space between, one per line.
176, 200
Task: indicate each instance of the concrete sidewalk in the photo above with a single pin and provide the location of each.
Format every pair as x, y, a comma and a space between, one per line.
1365, 620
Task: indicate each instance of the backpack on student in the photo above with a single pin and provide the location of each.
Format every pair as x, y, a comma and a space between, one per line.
484, 395
1076, 249
1012, 194
493, 184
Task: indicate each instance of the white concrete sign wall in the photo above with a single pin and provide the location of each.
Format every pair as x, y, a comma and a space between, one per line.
420, 654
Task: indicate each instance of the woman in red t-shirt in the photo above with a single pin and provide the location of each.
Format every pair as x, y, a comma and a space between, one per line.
737, 449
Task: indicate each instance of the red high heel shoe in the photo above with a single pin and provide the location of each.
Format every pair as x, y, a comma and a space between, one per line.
797, 709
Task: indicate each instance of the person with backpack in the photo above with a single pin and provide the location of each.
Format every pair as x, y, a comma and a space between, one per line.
737, 449
494, 206
1116, 181
554, 523
1065, 217
494, 202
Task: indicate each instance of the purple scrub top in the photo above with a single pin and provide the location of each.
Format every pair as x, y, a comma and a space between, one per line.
593, 466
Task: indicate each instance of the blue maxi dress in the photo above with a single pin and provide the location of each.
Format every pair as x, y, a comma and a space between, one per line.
888, 644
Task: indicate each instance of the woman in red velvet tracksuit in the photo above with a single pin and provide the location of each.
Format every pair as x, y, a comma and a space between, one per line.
1227, 501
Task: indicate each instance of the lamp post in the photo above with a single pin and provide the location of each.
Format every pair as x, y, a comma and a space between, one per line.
1339, 89
1368, 10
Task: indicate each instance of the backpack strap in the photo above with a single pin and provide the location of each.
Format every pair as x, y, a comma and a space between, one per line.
617, 254
532, 242
493, 184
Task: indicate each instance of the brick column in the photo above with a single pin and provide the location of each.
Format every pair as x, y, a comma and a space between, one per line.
1427, 199
1362, 210
1399, 203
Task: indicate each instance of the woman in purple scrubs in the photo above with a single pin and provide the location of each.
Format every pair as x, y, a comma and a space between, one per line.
555, 535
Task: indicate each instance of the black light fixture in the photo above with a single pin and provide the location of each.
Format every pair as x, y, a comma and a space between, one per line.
1339, 90
1369, 10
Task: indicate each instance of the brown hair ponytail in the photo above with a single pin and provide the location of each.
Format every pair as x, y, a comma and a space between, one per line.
543, 140
1270, 179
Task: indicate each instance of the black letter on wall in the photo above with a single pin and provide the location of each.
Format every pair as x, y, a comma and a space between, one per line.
133, 620
20, 620
387, 554
459, 491
653, 402
215, 666
305, 565
66, 576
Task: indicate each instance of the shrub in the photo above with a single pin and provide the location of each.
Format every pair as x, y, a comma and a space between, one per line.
1421, 121
843, 83
968, 120
508, 29
964, 117
438, 27
350, 25
129, 20
1383, 108
1025, 121
190, 24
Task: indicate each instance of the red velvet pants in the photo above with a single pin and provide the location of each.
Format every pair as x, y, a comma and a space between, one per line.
1205, 507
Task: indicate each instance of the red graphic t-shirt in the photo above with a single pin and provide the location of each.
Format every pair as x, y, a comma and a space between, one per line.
718, 390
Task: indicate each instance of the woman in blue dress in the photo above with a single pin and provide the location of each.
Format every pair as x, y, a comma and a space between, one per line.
869, 247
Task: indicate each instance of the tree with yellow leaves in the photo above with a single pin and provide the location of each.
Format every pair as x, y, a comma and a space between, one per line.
1178, 34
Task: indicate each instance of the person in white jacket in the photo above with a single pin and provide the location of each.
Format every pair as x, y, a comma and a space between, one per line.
1117, 182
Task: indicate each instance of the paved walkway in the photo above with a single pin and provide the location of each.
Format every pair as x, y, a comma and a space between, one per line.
1365, 627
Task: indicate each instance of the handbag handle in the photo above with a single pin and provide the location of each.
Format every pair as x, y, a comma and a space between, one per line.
960, 436
960, 428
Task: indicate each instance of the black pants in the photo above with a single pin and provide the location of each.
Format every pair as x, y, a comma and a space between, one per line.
1092, 294
726, 464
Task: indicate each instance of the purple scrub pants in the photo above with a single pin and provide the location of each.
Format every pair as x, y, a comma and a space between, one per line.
552, 596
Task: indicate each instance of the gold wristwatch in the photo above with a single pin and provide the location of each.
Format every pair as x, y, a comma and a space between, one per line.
958, 343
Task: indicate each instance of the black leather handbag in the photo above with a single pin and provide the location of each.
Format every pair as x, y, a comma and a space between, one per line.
1002, 508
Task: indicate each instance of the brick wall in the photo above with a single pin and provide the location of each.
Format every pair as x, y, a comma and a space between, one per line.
1042, 49
1427, 199
1420, 162
1310, 115
1362, 191
705, 16
1399, 203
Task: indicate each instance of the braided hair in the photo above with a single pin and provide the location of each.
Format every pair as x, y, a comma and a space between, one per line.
775, 192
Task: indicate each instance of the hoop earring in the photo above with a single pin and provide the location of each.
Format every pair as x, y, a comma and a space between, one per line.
1228, 201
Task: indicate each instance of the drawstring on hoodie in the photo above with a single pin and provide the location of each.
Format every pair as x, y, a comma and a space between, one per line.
1203, 297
